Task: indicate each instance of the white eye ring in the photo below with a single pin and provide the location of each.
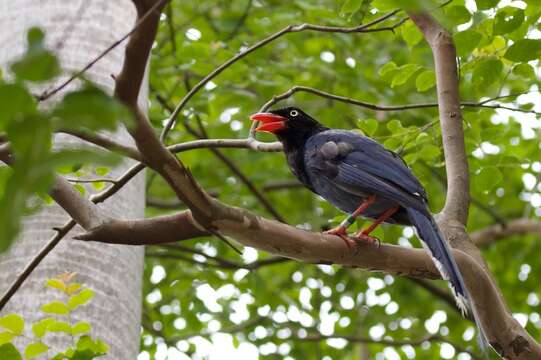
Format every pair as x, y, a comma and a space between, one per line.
293, 113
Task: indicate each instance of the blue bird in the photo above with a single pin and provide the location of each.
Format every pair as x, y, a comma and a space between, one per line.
362, 178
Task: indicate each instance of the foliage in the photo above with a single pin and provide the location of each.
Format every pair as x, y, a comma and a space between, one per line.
201, 294
30, 130
57, 321
188, 294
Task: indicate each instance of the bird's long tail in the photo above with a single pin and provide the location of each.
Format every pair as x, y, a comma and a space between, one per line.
429, 232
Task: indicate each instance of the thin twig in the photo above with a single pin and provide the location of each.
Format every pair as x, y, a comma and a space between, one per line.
91, 181
216, 261
20, 279
228, 162
265, 41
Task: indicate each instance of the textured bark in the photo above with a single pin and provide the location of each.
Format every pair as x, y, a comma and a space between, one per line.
84, 29
504, 332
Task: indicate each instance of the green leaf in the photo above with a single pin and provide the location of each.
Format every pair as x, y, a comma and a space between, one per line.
59, 326
86, 347
458, 14
487, 72
101, 170
507, 19
35, 349
429, 152
13, 323
466, 41
6, 336
80, 328
9, 352
488, 178
350, 7
425, 80
486, 4
385, 5
37, 64
16, 102
40, 328
89, 108
524, 50
81, 298
56, 284
525, 70
395, 126
388, 67
55, 307
411, 34
368, 126
404, 73
72, 288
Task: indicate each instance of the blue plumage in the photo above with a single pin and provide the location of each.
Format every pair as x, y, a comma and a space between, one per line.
347, 169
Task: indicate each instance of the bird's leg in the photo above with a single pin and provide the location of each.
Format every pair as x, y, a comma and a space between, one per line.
340, 230
365, 234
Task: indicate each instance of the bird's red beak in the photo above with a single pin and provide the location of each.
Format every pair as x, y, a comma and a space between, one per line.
269, 122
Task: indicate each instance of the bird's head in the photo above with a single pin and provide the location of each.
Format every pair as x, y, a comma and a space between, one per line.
286, 122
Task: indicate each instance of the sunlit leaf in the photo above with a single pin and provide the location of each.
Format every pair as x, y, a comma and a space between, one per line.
38, 63
35, 349
55, 307
12, 322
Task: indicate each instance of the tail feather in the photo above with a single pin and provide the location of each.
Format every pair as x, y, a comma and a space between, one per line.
443, 258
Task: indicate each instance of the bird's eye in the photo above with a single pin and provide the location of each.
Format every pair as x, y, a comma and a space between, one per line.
293, 113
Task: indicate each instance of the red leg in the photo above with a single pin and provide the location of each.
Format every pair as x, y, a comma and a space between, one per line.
365, 234
369, 201
340, 230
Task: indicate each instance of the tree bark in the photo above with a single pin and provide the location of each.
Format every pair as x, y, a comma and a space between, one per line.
78, 31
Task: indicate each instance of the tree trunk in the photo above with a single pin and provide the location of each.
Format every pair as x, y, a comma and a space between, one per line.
78, 31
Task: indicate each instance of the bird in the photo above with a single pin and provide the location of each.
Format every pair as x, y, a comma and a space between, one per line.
361, 177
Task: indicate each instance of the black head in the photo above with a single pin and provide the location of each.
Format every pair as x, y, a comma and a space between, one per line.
287, 122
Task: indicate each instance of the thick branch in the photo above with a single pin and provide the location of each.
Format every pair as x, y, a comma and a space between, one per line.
159, 230
505, 334
443, 49
283, 240
493, 233
83, 211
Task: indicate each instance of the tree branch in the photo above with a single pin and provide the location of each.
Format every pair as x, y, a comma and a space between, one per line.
493, 233
106, 143
505, 334
286, 241
265, 41
443, 49
83, 211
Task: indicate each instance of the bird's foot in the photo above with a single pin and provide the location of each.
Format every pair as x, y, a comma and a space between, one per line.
341, 232
372, 240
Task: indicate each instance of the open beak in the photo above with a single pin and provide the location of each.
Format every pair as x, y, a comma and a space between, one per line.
269, 122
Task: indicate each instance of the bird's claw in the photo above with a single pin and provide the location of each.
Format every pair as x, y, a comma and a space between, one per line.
341, 232
365, 238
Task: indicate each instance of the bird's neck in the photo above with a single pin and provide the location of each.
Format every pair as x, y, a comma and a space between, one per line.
294, 151
297, 140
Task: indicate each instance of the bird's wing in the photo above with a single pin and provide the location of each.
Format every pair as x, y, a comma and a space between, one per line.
358, 164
